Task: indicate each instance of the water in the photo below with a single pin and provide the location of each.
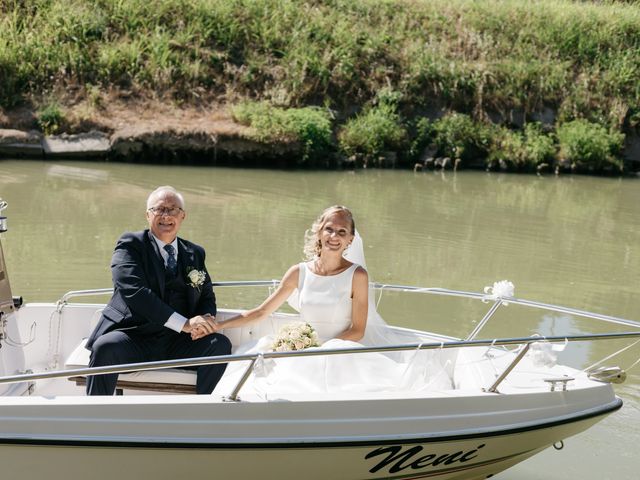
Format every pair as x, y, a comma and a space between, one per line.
573, 241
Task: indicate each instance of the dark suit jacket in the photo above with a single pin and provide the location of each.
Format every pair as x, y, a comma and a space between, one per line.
139, 279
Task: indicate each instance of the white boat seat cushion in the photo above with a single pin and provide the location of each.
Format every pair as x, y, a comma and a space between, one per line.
79, 358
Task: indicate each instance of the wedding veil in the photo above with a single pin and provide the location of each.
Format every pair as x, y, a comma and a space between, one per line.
376, 332
423, 367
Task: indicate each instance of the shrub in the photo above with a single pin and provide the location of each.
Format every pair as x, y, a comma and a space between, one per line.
423, 133
376, 130
311, 126
457, 136
521, 150
539, 147
50, 118
590, 144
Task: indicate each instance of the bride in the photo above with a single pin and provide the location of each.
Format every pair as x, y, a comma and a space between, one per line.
331, 292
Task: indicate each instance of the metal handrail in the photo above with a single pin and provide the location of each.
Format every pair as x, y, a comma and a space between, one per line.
470, 341
193, 362
408, 288
494, 388
84, 293
485, 319
108, 291
517, 301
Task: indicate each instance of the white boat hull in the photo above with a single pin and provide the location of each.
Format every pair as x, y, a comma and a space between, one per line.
468, 458
160, 437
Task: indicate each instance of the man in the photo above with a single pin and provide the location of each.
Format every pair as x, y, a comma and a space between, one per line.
162, 292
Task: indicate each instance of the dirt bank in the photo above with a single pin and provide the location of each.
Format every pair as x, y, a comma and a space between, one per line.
140, 131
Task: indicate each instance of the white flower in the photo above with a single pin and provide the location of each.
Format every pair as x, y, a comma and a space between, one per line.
197, 277
295, 336
501, 289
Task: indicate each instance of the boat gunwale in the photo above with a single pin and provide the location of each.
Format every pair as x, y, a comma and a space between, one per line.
593, 412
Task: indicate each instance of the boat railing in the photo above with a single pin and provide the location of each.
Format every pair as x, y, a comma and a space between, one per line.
108, 291
498, 301
470, 341
256, 357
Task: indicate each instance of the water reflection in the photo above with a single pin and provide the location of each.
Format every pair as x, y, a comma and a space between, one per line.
576, 354
77, 173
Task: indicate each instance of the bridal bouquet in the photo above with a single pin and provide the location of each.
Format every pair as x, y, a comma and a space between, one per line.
295, 336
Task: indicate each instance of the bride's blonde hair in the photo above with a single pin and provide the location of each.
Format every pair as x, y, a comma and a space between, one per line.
312, 245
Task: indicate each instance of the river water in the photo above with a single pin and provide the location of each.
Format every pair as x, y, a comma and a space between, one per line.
568, 240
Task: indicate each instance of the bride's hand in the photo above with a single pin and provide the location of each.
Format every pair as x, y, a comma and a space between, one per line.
203, 326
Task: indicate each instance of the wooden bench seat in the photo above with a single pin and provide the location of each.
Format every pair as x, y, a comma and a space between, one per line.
161, 387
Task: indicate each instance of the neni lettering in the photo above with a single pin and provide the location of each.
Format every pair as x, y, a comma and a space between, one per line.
398, 459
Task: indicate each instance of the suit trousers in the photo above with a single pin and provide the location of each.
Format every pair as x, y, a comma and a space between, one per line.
126, 346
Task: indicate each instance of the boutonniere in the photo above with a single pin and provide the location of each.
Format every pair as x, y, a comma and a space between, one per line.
196, 277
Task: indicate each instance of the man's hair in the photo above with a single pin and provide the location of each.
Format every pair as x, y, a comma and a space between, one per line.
165, 189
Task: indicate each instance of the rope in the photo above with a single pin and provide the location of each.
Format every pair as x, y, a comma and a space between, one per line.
15, 343
634, 364
613, 355
54, 338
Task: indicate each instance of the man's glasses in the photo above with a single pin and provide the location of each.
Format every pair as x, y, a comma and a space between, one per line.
159, 211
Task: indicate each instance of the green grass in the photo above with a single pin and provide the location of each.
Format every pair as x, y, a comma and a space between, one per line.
492, 54
491, 57
309, 126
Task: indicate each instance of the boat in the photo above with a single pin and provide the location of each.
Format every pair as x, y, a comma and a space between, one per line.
506, 400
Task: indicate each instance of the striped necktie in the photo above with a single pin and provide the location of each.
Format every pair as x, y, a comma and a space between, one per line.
172, 264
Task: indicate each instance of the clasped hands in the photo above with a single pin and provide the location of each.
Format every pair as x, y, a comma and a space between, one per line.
201, 326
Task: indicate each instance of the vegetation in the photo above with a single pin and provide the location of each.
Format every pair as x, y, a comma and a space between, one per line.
50, 118
590, 144
376, 130
507, 60
459, 137
526, 151
309, 126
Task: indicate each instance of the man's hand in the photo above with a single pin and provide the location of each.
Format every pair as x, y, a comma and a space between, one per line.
201, 326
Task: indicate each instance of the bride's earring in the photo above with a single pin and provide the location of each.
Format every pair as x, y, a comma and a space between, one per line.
346, 250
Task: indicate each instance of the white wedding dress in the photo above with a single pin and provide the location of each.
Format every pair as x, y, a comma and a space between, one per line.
325, 303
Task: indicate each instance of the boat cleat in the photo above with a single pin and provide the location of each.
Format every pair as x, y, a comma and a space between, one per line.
559, 380
608, 374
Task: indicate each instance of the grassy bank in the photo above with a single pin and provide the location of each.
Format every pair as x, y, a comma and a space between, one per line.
369, 65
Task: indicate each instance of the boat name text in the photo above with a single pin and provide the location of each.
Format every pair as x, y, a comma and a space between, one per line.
398, 459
